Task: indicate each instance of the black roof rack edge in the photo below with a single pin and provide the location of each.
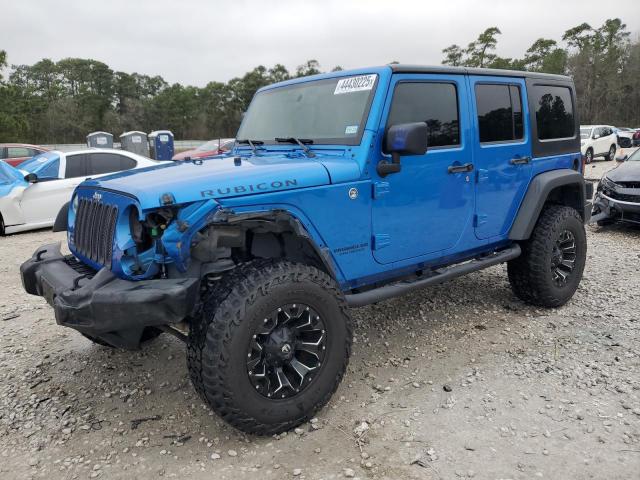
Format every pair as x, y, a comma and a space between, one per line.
402, 68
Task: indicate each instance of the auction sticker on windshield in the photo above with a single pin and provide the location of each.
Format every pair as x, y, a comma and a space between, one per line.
355, 84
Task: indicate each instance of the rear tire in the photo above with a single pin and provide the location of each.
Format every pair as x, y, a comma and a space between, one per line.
612, 153
550, 268
265, 302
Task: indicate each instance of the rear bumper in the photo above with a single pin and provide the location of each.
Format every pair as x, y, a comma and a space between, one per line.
101, 305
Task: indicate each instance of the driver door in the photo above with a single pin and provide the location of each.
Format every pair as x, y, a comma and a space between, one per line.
426, 206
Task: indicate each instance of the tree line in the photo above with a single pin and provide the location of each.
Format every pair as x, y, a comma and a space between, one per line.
603, 61
60, 102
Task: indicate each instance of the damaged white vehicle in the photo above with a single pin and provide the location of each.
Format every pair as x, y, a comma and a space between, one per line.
32, 195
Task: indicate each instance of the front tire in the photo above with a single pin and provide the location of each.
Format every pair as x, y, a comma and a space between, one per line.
270, 345
550, 268
588, 156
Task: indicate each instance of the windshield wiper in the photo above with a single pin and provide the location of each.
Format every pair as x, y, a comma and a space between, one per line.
303, 142
251, 143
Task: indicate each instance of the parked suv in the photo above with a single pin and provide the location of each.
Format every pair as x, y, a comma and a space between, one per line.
342, 190
598, 141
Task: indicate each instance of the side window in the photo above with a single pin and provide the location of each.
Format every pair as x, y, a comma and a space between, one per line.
100, 163
499, 112
597, 133
18, 152
76, 166
51, 171
433, 103
33, 152
554, 112
127, 163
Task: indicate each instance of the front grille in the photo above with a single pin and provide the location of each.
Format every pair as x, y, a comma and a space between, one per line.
94, 229
629, 184
621, 196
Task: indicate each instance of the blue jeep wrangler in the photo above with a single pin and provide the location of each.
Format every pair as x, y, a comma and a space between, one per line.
342, 190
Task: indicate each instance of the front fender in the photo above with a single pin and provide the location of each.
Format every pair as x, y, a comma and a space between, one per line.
177, 239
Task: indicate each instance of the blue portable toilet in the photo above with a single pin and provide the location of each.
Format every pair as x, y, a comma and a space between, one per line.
161, 144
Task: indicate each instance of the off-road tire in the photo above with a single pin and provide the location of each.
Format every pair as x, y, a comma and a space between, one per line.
220, 333
530, 274
588, 156
612, 153
149, 334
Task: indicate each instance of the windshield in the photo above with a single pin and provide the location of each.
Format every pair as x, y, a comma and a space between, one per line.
331, 111
635, 156
585, 133
207, 147
8, 174
45, 165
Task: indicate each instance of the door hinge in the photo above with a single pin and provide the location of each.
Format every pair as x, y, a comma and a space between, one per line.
479, 219
380, 189
381, 240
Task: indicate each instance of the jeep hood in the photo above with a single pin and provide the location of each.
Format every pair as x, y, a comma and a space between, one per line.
216, 178
628, 171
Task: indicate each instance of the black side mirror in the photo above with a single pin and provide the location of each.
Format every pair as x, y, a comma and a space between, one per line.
31, 178
403, 139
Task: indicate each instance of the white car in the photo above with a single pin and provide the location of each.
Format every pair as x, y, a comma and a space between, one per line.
32, 194
598, 141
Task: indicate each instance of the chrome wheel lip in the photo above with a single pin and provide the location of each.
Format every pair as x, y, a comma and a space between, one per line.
563, 258
286, 351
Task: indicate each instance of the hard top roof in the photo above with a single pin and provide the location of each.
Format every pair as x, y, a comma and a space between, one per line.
402, 68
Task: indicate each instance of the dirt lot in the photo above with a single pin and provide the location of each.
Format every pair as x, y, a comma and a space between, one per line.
457, 381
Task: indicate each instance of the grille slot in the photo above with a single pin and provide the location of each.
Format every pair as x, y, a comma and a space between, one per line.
95, 227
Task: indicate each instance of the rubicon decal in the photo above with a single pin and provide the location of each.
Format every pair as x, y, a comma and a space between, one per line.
251, 188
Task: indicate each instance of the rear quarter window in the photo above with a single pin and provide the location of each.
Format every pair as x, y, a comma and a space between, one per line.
554, 112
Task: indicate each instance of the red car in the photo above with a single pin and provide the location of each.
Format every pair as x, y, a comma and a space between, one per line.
209, 149
16, 153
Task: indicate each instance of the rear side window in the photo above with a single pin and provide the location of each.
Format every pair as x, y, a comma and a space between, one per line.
554, 112
499, 112
433, 103
18, 152
76, 166
100, 163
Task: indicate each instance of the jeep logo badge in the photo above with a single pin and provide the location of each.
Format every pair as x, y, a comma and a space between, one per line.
353, 193
97, 196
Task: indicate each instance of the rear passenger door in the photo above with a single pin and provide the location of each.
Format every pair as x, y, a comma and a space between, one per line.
502, 152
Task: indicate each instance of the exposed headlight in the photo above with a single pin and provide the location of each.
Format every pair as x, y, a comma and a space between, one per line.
74, 203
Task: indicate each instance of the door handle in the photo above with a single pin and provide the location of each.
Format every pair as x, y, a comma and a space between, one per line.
520, 160
467, 167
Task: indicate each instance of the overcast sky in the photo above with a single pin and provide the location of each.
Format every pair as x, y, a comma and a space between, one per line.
197, 41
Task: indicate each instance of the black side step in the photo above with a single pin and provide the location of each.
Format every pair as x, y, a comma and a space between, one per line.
441, 275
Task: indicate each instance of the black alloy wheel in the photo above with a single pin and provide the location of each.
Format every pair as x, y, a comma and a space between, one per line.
563, 258
286, 350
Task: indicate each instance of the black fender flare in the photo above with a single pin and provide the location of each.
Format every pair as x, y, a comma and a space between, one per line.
538, 193
62, 219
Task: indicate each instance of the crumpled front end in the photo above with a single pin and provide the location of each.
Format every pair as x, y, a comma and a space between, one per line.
111, 229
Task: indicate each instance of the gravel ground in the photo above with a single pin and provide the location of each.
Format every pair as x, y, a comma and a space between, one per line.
456, 381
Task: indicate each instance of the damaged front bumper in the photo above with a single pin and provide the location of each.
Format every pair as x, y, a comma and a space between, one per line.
101, 305
613, 209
